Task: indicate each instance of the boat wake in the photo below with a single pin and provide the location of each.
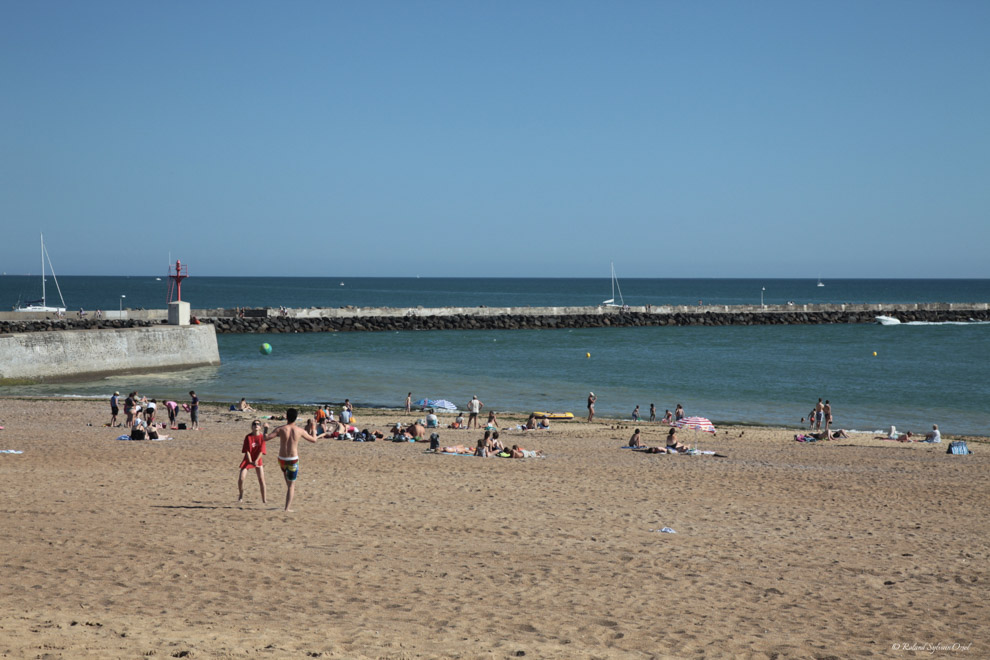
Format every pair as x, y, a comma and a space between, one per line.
890, 320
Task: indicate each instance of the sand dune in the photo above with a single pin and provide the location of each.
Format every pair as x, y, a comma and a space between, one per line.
782, 549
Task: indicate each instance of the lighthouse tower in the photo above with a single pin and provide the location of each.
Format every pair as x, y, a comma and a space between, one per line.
178, 311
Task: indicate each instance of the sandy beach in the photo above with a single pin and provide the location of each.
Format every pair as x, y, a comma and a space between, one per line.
856, 547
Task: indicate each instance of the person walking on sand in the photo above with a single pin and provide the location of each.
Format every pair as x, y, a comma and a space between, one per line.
409, 402
819, 414
114, 409
827, 412
254, 449
591, 405
474, 407
288, 452
193, 411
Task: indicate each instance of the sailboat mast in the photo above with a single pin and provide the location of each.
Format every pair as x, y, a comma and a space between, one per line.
44, 300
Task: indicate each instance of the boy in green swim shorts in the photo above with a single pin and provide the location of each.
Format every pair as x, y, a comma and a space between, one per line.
288, 452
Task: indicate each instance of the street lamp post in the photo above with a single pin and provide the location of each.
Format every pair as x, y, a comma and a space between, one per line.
120, 308
762, 306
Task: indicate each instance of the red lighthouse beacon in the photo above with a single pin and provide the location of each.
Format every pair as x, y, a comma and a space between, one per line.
178, 311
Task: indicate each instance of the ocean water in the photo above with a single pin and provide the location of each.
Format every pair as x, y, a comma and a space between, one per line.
922, 374
212, 292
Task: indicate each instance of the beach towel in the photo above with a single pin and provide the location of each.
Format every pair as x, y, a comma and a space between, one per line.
11, 451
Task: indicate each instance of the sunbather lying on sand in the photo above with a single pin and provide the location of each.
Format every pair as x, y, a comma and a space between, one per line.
519, 452
456, 449
830, 435
894, 435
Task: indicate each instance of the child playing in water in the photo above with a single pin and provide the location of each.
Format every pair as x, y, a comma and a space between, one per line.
254, 448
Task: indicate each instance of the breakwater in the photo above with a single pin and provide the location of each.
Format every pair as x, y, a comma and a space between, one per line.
529, 321
41, 357
354, 319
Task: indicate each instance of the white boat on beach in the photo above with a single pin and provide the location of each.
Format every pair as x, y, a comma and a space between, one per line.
42, 305
615, 287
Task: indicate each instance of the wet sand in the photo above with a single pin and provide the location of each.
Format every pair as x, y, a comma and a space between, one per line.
782, 549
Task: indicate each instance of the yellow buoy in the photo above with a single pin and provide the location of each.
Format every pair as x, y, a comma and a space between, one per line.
587, 355
874, 353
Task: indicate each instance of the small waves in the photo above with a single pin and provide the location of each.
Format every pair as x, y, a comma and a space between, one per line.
890, 320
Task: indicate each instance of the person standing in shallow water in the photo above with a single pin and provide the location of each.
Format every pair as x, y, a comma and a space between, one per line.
409, 402
591, 405
653, 412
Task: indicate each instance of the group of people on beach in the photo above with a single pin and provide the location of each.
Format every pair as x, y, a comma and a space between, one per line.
289, 434
668, 417
140, 411
672, 446
933, 436
820, 414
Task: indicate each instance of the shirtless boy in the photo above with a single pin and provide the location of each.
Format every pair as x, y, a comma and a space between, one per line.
288, 451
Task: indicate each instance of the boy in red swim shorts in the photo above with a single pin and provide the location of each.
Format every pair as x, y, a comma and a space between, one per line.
254, 449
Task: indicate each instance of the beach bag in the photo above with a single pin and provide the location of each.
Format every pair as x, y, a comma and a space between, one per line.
137, 434
434, 441
181, 426
958, 447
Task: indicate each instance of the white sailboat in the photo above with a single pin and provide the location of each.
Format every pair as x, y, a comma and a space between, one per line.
615, 287
820, 280
42, 305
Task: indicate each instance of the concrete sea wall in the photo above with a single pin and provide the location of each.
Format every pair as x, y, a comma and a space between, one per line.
77, 354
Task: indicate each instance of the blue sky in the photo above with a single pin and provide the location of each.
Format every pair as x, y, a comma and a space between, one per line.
523, 139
